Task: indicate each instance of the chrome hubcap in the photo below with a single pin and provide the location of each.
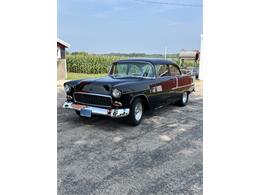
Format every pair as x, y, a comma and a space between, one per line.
184, 97
138, 111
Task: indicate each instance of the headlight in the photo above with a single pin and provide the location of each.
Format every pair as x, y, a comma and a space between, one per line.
67, 88
116, 93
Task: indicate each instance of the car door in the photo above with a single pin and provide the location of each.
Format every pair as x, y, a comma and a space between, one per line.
161, 87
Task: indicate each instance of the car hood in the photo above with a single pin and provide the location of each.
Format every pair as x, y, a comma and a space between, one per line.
103, 85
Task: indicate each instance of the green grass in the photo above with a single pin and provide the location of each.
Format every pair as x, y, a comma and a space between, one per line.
75, 76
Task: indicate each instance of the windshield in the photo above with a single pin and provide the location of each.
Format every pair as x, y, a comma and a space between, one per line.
132, 69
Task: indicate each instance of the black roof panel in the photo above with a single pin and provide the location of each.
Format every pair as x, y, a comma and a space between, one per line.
151, 60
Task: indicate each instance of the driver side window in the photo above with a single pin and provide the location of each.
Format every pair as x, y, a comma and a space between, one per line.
174, 71
162, 70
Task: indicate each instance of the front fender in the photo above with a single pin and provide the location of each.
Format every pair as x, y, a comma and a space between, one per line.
127, 98
133, 90
72, 84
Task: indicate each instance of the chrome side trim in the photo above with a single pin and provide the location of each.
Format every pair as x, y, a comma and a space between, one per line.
183, 86
189, 85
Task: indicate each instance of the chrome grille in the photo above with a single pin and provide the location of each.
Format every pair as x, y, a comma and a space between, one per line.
93, 99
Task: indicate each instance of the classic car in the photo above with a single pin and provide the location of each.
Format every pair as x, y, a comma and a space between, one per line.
131, 87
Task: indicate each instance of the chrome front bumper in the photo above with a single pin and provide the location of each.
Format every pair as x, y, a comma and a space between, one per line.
114, 113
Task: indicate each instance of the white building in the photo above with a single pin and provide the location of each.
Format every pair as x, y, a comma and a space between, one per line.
201, 58
61, 59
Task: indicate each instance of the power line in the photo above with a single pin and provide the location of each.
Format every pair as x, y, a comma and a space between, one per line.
170, 3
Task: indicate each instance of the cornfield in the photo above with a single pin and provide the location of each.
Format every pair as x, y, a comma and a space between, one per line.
89, 63
82, 62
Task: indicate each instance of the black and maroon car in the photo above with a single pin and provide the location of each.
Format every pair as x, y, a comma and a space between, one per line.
131, 87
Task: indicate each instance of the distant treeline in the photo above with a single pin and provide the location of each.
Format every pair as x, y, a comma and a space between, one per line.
130, 55
83, 62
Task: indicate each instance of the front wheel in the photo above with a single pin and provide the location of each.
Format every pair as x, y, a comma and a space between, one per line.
184, 99
136, 112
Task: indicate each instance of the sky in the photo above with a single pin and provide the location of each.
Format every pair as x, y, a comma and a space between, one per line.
127, 26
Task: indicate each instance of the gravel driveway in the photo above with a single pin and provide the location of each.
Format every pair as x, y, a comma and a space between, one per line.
163, 155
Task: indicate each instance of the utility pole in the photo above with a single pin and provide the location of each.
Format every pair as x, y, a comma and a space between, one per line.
165, 53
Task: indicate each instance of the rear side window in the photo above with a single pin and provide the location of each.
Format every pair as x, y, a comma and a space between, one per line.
174, 71
162, 70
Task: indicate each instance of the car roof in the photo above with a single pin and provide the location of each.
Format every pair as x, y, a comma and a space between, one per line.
151, 60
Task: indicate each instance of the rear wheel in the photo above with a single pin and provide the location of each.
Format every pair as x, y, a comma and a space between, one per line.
136, 112
184, 99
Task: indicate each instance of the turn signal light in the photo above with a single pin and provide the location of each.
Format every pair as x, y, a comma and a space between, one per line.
117, 104
69, 97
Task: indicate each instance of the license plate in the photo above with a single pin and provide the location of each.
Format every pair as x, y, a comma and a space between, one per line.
85, 112
78, 106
